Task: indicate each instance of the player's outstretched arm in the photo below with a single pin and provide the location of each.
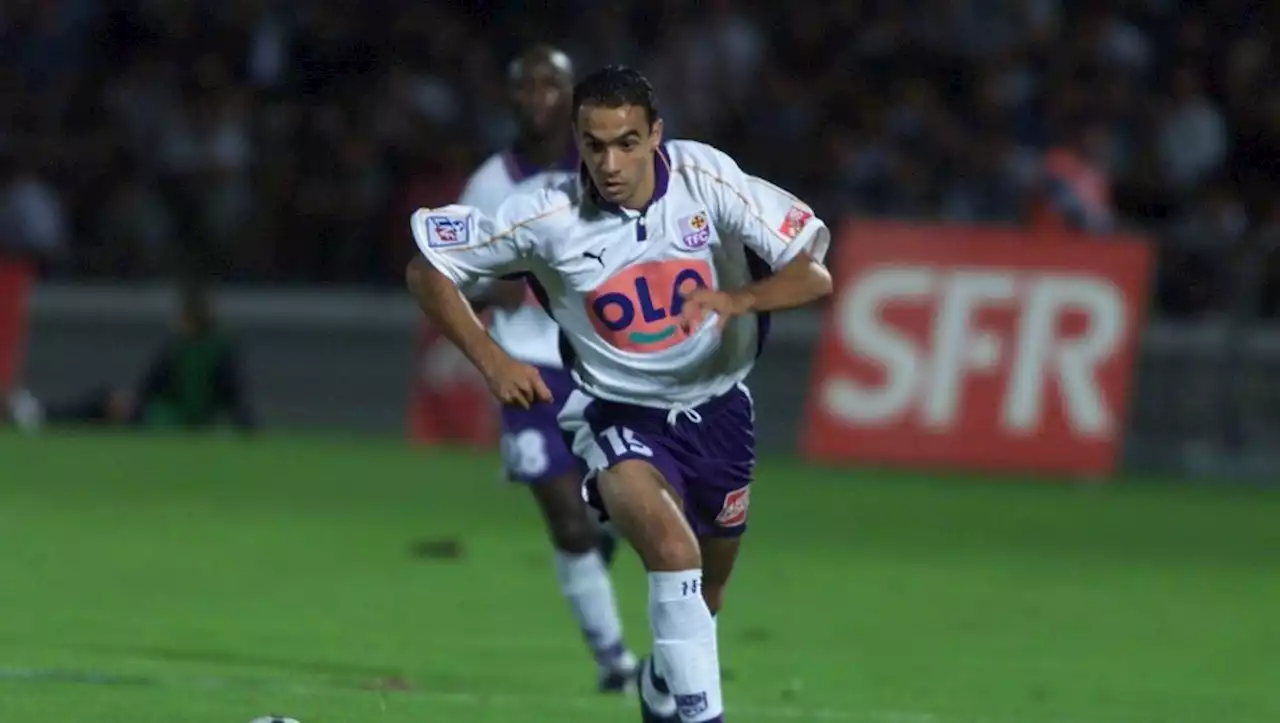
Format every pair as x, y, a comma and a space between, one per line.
446, 307
460, 247
512, 382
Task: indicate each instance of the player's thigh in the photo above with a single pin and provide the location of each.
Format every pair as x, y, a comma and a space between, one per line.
634, 483
719, 556
644, 507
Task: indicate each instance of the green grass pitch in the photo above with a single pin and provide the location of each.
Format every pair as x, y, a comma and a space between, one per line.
213, 580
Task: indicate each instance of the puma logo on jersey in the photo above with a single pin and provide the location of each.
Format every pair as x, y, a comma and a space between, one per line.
598, 257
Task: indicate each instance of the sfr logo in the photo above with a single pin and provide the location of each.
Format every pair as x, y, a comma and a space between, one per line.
978, 348
926, 373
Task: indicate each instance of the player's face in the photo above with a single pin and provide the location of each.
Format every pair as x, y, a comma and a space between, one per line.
542, 96
617, 147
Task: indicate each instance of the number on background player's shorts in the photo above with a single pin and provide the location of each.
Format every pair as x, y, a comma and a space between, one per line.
534, 449
525, 453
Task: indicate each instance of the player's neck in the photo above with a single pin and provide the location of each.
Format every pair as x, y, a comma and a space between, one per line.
644, 192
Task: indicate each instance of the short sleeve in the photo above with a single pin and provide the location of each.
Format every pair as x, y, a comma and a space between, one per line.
773, 223
467, 246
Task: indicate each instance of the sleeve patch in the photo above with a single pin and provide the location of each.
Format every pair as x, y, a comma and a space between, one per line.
797, 218
445, 232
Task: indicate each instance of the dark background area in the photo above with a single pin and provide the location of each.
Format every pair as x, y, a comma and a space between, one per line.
273, 142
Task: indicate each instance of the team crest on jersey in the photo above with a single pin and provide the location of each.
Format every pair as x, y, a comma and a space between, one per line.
695, 231
797, 218
734, 511
444, 231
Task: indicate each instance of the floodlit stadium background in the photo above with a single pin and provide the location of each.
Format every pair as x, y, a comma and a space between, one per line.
1119, 573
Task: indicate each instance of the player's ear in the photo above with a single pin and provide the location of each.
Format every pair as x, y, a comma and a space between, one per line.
655, 134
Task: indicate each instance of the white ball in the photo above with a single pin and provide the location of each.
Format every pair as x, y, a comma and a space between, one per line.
274, 719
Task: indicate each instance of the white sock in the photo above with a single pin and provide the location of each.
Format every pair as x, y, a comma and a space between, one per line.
586, 585
684, 644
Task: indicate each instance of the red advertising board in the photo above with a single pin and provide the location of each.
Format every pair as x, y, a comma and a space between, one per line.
982, 349
449, 400
15, 283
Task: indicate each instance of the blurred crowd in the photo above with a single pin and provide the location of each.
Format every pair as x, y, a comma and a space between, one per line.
287, 142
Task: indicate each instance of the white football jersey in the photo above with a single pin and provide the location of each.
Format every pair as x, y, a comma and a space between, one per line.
526, 333
613, 277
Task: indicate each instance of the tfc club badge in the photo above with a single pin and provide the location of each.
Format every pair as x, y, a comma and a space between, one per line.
695, 231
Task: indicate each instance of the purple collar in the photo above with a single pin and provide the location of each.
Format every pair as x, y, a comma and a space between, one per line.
519, 168
661, 179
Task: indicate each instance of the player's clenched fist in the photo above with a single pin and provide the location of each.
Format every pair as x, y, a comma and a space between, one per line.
517, 384
700, 304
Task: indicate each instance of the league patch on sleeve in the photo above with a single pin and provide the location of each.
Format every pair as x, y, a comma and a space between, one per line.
797, 218
446, 231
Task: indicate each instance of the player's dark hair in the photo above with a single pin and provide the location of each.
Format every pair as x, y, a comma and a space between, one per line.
613, 87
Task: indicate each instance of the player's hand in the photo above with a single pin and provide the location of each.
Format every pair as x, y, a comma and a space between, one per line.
517, 384
701, 303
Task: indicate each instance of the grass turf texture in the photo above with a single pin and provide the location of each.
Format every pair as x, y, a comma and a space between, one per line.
148, 580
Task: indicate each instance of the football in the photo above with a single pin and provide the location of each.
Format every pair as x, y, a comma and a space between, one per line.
274, 719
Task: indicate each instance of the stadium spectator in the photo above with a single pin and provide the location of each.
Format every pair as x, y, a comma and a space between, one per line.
265, 146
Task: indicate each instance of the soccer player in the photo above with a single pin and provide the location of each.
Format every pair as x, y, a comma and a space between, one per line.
535, 451
661, 262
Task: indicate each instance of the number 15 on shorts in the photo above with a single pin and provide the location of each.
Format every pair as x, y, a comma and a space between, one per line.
623, 442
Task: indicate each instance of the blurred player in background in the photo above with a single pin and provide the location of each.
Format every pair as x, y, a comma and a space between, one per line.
662, 263
534, 449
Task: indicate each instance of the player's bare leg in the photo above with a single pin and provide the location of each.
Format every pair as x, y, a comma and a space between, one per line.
649, 515
584, 578
719, 555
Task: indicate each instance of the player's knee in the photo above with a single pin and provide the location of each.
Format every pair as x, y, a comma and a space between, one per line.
567, 517
671, 552
573, 534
